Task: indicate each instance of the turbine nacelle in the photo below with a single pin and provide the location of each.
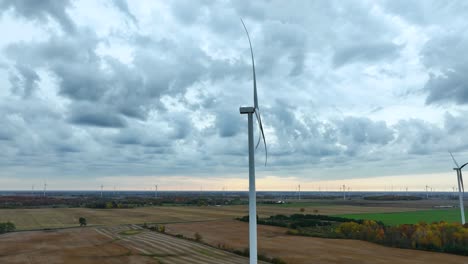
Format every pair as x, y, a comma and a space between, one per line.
247, 110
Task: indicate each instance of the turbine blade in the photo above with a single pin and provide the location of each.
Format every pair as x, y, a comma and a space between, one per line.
454, 161
259, 121
260, 127
253, 67
461, 182
257, 109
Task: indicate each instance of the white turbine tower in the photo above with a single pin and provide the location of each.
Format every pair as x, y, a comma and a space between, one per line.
102, 186
461, 188
299, 189
45, 188
344, 192
155, 191
250, 111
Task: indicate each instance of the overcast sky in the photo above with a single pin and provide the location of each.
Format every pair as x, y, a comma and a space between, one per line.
130, 94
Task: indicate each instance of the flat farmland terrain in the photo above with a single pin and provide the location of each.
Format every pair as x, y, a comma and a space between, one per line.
78, 245
273, 242
30, 219
168, 249
117, 244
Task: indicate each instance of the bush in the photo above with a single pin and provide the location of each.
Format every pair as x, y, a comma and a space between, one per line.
82, 221
278, 261
7, 227
198, 237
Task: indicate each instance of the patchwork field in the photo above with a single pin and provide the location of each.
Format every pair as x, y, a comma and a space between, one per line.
396, 218
168, 249
30, 219
273, 242
118, 244
113, 237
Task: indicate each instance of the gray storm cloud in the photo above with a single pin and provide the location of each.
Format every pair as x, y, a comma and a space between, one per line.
69, 102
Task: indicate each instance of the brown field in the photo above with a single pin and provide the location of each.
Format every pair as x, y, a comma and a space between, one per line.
78, 245
273, 242
107, 245
168, 249
30, 219
104, 243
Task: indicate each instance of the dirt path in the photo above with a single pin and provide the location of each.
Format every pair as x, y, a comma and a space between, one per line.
303, 250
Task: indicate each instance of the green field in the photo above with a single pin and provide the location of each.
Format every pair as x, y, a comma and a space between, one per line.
428, 216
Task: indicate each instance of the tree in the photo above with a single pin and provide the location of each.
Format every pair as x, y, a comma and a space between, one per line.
316, 211
198, 237
302, 210
7, 227
82, 221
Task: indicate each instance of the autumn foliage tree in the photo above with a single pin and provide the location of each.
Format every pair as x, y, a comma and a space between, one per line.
438, 236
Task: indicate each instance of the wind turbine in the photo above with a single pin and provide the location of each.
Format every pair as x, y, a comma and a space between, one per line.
344, 192
299, 191
155, 191
102, 186
45, 188
252, 194
461, 188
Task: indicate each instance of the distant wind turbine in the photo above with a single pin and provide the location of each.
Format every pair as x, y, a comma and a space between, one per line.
45, 188
299, 191
155, 191
344, 192
461, 188
252, 194
102, 186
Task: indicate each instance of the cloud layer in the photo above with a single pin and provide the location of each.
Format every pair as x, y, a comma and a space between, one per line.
114, 88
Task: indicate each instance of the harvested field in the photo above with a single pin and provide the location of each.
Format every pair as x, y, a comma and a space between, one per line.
168, 249
28, 219
78, 245
118, 244
273, 242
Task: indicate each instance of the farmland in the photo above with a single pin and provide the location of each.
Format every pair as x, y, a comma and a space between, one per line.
113, 237
82, 245
396, 218
167, 249
31, 219
117, 244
